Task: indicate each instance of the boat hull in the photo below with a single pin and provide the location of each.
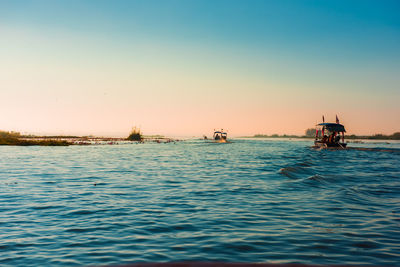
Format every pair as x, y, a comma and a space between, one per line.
329, 145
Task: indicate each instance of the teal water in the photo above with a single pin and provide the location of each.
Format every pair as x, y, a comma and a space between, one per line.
275, 201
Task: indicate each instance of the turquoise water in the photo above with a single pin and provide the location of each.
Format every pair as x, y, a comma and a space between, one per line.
275, 201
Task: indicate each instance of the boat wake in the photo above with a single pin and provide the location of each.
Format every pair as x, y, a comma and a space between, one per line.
376, 149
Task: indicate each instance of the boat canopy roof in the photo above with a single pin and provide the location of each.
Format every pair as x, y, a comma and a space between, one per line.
333, 127
217, 132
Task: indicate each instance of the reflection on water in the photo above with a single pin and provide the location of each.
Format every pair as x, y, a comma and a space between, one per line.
246, 201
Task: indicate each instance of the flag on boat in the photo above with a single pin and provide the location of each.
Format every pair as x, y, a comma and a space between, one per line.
323, 118
337, 120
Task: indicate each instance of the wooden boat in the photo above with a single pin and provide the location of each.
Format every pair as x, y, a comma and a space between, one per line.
328, 135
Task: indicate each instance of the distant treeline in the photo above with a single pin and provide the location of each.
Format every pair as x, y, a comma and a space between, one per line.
276, 136
310, 133
395, 136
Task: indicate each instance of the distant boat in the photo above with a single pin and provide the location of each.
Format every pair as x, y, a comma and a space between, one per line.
220, 136
328, 135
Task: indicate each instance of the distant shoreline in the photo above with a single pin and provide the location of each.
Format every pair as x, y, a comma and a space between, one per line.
16, 139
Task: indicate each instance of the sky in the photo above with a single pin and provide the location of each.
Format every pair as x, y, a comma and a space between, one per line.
187, 67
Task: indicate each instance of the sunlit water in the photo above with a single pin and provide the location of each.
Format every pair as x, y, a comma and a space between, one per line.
275, 201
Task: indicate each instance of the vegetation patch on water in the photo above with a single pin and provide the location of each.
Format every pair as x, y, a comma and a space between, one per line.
16, 139
135, 135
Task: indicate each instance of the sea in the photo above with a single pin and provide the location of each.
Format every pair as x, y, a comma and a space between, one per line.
247, 201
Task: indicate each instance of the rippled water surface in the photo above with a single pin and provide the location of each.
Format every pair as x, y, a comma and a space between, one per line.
246, 201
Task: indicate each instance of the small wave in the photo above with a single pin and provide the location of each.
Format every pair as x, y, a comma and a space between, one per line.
91, 243
83, 212
240, 247
354, 195
172, 228
316, 177
305, 164
367, 245
45, 207
86, 230
80, 230
294, 172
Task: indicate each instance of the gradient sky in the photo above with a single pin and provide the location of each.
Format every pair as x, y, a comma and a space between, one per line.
187, 67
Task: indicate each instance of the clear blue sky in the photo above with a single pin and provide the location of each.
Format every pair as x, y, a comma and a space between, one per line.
281, 63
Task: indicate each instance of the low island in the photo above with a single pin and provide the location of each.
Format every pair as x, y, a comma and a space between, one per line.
10, 138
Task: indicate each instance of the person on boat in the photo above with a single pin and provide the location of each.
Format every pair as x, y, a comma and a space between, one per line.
223, 136
330, 139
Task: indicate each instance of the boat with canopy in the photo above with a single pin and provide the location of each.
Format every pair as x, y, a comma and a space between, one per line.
329, 135
220, 136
